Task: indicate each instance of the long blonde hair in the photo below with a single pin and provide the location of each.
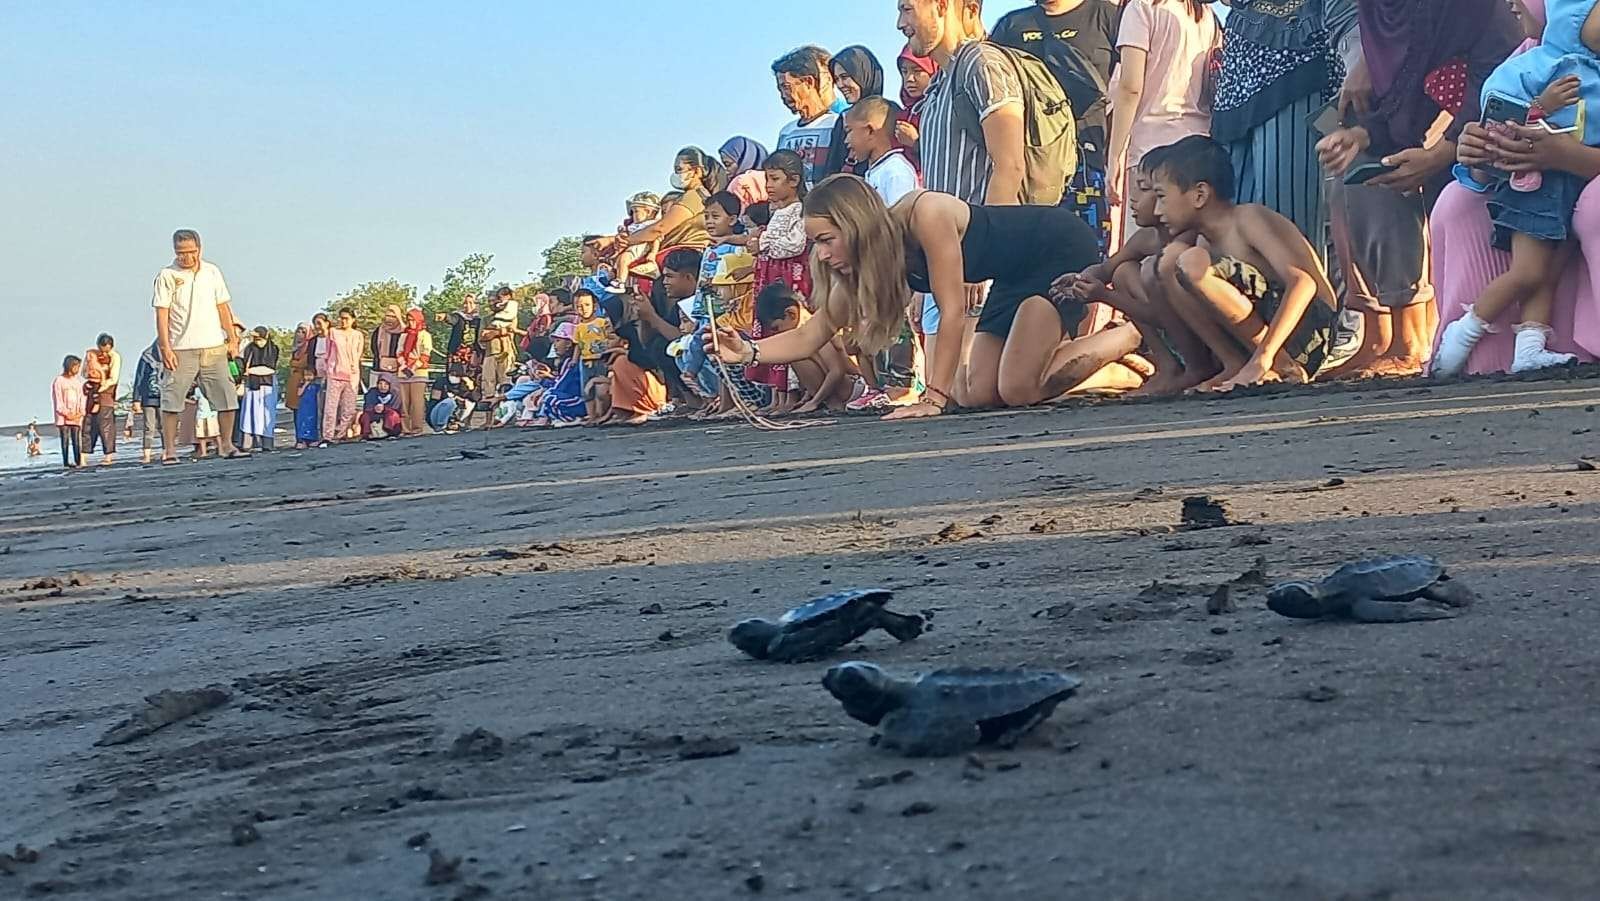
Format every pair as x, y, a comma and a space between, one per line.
872, 299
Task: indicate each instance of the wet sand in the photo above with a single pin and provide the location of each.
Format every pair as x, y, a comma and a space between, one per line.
365, 607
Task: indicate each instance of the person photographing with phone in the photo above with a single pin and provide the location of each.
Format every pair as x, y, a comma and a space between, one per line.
1551, 86
1417, 59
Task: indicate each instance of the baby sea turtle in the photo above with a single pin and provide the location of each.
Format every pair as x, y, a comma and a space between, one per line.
1380, 590
818, 628
951, 710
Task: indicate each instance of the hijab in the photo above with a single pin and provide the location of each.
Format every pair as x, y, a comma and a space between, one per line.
747, 155
415, 323
302, 337
386, 338
926, 64
859, 63
1404, 40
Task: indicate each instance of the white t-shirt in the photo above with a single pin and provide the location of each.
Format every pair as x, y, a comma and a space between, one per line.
893, 177
191, 299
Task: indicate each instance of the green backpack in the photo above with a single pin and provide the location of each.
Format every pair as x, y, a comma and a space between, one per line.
1050, 130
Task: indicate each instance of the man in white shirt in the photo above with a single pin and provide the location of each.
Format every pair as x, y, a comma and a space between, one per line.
194, 329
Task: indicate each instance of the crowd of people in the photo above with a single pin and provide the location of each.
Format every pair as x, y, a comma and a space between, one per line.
1137, 196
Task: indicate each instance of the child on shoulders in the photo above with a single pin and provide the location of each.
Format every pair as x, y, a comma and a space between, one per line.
1254, 292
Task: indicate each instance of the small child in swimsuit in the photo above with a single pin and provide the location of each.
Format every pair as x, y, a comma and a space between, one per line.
1253, 290
1128, 283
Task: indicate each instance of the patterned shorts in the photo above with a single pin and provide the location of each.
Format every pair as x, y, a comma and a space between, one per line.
1312, 338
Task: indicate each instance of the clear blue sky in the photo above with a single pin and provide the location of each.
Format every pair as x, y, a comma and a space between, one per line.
318, 145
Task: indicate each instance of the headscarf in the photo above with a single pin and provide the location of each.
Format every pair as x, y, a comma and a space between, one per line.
746, 153
386, 338
416, 321
302, 337
1404, 40
926, 64
859, 63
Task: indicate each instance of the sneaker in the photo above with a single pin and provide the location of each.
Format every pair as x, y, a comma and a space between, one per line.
872, 400
1456, 345
1531, 354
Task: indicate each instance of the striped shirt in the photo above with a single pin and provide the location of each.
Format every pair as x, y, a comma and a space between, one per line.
979, 81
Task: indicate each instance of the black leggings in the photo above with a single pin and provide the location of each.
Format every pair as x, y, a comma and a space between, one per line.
71, 449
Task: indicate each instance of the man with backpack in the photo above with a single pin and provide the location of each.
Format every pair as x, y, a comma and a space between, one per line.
1077, 41
997, 129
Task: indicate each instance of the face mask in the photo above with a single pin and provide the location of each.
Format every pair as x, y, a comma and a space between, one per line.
678, 184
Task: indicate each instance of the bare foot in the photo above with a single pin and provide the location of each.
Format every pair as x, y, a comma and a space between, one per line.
1215, 382
1163, 385
640, 419
1139, 364
1390, 368
1251, 375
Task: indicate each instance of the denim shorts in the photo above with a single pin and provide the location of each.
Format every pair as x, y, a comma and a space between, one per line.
1545, 214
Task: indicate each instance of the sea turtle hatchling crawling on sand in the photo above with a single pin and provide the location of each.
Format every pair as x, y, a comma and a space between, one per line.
817, 628
1380, 590
951, 710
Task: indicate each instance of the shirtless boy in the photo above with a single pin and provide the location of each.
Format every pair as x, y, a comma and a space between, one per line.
1128, 282
1252, 289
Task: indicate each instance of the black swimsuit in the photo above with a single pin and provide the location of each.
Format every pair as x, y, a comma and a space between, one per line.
1023, 249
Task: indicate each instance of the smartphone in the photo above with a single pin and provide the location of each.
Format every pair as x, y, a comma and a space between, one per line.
1329, 120
1366, 170
1499, 109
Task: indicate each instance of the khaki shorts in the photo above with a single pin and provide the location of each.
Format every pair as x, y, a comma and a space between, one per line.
206, 368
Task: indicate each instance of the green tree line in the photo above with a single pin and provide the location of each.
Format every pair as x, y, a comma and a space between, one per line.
473, 275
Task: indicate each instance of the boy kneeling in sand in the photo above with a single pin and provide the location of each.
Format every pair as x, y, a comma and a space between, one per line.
1253, 290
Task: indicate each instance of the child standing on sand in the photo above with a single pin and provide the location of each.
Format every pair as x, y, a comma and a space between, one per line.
68, 401
782, 258
205, 425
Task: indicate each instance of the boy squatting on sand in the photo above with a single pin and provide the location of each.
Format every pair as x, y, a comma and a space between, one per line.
1237, 289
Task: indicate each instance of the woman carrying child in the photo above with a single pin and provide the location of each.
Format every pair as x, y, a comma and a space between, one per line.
868, 260
1558, 81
